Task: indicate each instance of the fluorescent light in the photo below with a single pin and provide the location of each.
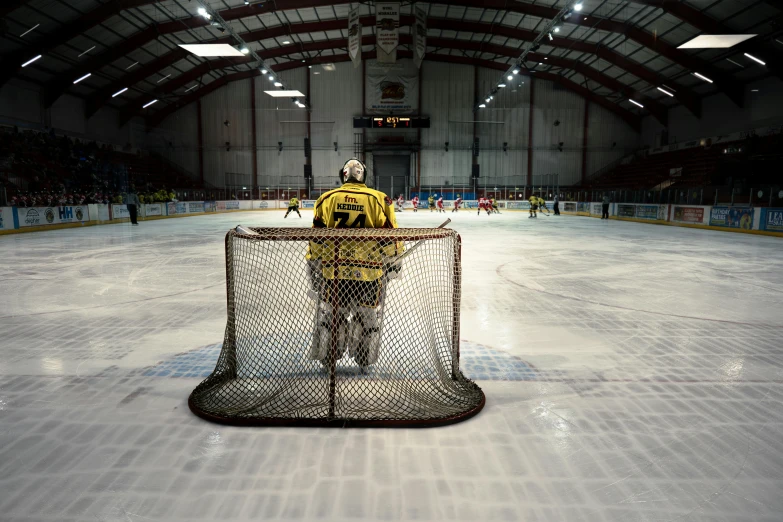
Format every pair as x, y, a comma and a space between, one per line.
669, 88
191, 88
735, 63
482, 105
150, 103
286, 42
636, 103
212, 49
666, 92
119, 92
82, 78
163, 78
510, 77
278, 84
131, 65
715, 41
316, 72
31, 29
244, 50
578, 6
87, 51
264, 71
546, 57
702, 77
501, 85
283, 94
754, 90
329, 67
550, 36
754, 58
25, 64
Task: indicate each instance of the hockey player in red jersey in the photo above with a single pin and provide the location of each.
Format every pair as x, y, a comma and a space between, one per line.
440, 204
400, 203
457, 203
415, 202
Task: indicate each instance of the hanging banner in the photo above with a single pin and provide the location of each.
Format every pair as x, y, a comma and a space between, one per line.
387, 31
419, 36
355, 38
391, 88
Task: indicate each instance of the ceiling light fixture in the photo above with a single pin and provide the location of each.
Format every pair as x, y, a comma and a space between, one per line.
665, 92
715, 41
87, 51
28, 62
501, 85
150, 103
702, 77
735, 63
487, 100
131, 65
636, 103
163, 78
510, 77
244, 50
278, 84
754, 59
263, 71
482, 105
29, 30
284, 94
557, 29
516, 71
271, 78
578, 6
119, 92
550, 36
82, 78
191, 88
286, 42
207, 50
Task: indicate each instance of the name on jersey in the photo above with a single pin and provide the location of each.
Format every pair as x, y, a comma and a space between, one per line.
349, 206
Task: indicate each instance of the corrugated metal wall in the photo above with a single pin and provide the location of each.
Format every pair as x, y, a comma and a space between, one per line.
177, 138
552, 104
447, 98
230, 103
609, 138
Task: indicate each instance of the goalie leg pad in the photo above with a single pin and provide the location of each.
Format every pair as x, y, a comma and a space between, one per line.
369, 348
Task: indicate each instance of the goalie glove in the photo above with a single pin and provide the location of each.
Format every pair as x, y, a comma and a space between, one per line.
392, 270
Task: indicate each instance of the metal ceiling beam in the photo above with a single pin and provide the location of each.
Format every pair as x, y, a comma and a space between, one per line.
729, 85
682, 94
688, 14
11, 5
134, 108
724, 81
633, 120
11, 64
55, 88
659, 111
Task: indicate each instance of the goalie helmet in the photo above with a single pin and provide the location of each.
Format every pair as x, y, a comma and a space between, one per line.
353, 171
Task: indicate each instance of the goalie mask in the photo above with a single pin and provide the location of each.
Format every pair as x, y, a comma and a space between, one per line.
353, 171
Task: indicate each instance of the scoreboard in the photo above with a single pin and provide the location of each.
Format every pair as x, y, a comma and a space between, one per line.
391, 122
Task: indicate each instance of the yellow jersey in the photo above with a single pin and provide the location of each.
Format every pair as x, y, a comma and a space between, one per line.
293, 203
354, 205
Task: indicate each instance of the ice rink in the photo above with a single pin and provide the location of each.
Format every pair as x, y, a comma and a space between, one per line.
633, 373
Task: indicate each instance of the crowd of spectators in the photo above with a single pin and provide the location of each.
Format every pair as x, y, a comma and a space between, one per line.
40, 169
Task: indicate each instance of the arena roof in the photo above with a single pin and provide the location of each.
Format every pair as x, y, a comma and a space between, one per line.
609, 52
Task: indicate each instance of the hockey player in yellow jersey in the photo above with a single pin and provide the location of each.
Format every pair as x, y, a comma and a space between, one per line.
293, 206
364, 269
533, 206
542, 206
431, 202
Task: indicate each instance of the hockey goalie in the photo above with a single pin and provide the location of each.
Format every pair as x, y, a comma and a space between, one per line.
360, 276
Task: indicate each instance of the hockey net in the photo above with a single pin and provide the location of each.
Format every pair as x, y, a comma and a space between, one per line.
336, 327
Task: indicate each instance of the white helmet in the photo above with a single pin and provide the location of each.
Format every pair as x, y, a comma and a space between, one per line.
353, 170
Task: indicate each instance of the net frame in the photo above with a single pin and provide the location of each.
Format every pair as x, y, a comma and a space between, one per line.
459, 399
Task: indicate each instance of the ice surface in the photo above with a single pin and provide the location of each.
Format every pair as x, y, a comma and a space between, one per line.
633, 372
